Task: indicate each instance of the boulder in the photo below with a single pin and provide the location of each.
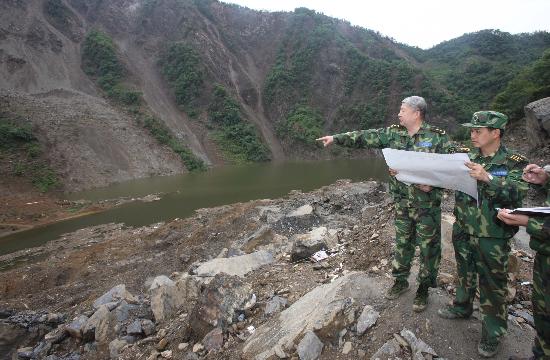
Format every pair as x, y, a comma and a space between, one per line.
160, 280
310, 347
326, 310
262, 236
134, 328
165, 302
116, 294
100, 326
219, 304
275, 305
237, 265
389, 351
367, 319
301, 211
168, 298
308, 244
148, 327
213, 340
75, 327
115, 346
418, 347
537, 116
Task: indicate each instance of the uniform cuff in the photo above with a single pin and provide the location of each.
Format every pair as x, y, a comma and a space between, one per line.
534, 226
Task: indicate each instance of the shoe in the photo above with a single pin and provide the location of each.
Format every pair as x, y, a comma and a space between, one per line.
488, 348
398, 288
453, 312
421, 299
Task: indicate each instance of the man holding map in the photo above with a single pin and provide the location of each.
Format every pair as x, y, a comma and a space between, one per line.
480, 241
418, 212
539, 229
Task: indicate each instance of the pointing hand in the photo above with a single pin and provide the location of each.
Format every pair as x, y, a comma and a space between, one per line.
327, 140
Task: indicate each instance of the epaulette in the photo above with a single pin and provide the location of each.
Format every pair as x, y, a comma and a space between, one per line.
459, 149
517, 158
397, 126
437, 130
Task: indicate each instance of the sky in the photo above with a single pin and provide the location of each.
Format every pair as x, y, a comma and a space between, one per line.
424, 23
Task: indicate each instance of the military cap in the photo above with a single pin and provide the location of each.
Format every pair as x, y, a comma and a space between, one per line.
490, 119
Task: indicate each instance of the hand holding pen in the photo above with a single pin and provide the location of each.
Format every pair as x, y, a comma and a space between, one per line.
535, 174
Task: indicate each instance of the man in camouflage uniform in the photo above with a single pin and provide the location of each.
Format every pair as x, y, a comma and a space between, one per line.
539, 229
481, 242
418, 212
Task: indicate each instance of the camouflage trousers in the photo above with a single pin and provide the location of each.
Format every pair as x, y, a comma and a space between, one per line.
422, 227
541, 306
484, 261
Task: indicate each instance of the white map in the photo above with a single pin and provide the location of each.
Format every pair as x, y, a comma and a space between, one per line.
442, 170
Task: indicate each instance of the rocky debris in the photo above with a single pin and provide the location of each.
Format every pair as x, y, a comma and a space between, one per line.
389, 351
213, 340
326, 310
301, 211
419, 348
264, 236
237, 265
115, 347
537, 114
403, 344
308, 244
270, 214
275, 305
249, 317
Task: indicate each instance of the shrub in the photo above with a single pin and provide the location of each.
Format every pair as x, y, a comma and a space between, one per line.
303, 124
181, 65
237, 138
164, 136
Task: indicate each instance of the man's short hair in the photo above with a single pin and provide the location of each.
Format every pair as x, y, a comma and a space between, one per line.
417, 103
501, 131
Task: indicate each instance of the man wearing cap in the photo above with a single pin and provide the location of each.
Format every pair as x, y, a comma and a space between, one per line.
481, 242
539, 229
418, 212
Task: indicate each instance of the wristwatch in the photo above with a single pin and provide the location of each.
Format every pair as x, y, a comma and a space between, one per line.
490, 177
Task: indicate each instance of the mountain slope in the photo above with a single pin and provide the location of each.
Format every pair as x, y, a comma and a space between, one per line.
283, 78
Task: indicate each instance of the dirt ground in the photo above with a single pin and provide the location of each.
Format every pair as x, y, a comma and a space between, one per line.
68, 274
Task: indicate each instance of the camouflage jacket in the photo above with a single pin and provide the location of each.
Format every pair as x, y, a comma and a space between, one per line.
505, 190
539, 229
427, 139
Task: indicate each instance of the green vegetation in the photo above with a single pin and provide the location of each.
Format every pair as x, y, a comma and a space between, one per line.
57, 11
181, 65
237, 138
164, 136
531, 84
477, 66
289, 80
303, 124
99, 60
19, 143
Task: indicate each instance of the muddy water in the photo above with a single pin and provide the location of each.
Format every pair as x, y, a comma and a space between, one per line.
181, 195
